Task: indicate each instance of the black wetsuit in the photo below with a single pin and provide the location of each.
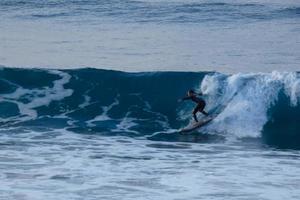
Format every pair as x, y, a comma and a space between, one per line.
200, 105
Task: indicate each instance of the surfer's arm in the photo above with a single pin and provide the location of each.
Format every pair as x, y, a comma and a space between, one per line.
184, 98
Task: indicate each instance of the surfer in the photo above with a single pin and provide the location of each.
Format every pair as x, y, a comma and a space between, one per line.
192, 95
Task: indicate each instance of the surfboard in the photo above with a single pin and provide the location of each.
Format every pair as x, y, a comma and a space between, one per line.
196, 125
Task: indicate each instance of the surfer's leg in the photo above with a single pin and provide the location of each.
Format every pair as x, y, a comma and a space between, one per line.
201, 107
195, 117
195, 114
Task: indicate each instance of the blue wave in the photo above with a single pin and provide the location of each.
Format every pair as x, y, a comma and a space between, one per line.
96, 101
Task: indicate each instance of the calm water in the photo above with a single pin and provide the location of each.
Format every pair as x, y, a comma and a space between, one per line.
226, 36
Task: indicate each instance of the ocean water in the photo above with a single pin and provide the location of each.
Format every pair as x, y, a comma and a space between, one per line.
98, 134
89, 94
179, 35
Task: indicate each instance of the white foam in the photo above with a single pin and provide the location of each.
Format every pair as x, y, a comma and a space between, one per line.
126, 124
246, 99
39, 97
104, 116
87, 101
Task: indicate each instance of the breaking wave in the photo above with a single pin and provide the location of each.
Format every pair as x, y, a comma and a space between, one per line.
261, 105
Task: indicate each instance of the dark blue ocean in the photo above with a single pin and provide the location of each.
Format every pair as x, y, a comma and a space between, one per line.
89, 90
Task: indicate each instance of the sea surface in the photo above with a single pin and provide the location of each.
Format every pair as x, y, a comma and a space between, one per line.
175, 35
89, 90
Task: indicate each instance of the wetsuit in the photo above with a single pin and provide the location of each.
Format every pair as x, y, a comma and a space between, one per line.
200, 105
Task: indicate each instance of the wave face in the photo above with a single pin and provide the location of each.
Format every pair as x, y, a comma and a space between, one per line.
145, 104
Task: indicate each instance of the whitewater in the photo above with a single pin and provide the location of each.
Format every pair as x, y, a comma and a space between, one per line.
89, 95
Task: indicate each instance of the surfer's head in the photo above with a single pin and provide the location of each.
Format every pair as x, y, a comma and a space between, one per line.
191, 93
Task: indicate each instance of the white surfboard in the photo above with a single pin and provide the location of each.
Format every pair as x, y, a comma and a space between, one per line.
196, 125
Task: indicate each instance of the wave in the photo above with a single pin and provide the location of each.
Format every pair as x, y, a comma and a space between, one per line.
257, 105
261, 105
